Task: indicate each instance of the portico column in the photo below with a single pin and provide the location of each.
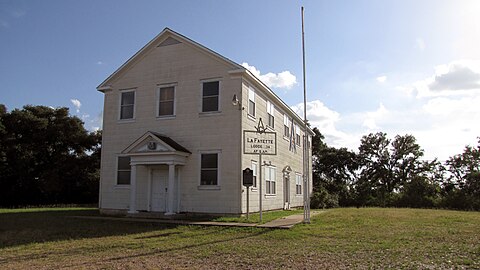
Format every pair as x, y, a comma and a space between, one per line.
171, 189
133, 189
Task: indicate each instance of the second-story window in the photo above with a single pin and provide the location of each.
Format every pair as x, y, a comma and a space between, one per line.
210, 96
166, 101
127, 104
271, 114
286, 126
297, 135
251, 102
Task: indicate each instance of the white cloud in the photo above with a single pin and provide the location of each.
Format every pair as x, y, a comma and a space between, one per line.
325, 119
372, 118
95, 123
420, 44
381, 79
77, 104
453, 79
284, 79
442, 126
99, 63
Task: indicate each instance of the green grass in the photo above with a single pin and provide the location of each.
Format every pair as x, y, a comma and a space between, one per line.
369, 238
255, 217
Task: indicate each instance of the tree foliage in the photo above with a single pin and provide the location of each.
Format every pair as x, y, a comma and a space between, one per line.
47, 157
387, 172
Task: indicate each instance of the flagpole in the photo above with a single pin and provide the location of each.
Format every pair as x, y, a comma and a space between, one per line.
306, 181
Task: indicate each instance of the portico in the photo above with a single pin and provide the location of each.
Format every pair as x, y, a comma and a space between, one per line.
163, 159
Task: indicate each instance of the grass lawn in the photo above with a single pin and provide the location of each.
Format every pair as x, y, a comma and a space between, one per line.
369, 238
255, 217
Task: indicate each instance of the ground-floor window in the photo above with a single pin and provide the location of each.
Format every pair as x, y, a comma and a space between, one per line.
298, 183
254, 169
123, 171
270, 180
209, 169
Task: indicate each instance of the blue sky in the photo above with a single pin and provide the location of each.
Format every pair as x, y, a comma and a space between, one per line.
401, 67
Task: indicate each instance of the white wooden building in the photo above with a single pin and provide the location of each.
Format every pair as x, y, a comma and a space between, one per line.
173, 141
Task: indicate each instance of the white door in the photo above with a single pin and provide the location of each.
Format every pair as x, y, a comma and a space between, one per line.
286, 191
159, 190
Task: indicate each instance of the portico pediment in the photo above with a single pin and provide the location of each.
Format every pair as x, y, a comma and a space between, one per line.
154, 143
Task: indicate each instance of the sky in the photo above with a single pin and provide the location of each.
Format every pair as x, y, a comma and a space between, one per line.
399, 67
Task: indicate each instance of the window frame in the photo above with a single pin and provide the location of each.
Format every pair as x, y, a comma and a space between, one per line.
174, 101
255, 173
286, 126
270, 115
123, 170
269, 182
120, 105
298, 134
251, 102
202, 82
211, 186
298, 183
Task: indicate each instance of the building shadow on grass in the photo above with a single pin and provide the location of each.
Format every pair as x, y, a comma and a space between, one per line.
257, 232
24, 227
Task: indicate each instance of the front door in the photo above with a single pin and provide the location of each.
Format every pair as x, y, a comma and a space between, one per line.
159, 190
286, 191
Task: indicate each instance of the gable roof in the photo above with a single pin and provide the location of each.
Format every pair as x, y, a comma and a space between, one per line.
167, 142
166, 35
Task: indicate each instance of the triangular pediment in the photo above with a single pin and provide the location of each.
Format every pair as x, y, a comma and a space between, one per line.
153, 143
169, 41
165, 38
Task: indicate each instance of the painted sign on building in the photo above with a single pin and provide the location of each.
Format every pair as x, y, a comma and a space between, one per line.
264, 143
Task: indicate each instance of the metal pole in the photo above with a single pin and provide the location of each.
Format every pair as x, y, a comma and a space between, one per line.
306, 195
260, 185
248, 200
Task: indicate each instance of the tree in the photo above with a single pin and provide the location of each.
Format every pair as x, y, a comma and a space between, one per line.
49, 158
465, 177
333, 171
386, 166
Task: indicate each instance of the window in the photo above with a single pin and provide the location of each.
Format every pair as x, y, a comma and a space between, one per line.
270, 180
251, 102
127, 104
209, 169
271, 114
166, 101
254, 169
210, 96
298, 183
286, 126
297, 135
123, 171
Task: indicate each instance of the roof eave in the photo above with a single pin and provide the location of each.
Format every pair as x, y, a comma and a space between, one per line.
259, 83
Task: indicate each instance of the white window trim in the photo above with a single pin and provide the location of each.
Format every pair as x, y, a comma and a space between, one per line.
119, 118
275, 180
298, 134
121, 186
255, 187
219, 170
289, 125
251, 97
157, 111
200, 110
301, 184
270, 111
